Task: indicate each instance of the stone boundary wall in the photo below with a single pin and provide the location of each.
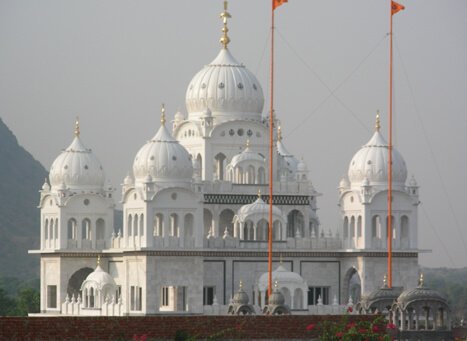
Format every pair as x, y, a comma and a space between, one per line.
51, 328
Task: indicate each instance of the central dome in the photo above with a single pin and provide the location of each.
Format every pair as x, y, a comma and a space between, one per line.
227, 88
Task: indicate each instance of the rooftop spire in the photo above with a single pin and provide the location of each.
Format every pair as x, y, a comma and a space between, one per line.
247, 143
77, 131
163, 114
420, 282
279, 133
225, 40
259, 193
378, 123
98, 260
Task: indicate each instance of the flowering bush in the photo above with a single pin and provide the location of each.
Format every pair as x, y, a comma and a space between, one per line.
345, 330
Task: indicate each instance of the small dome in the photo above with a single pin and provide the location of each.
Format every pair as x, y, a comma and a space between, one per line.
98, 279
291, 162
419, 293
413, 182
128, 180
77, 168
179, 116
46, 186
240, 297
365, 182
302, 167
163, 159
371, 162
226, 87
276, 298
246, 155
258, 207
283, 277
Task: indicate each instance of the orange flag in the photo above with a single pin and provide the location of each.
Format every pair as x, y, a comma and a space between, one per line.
277, 3
395, 7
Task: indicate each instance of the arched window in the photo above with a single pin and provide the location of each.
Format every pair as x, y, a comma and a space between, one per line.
376, 227
46, 229
393, 223
220, 165
352, 227
141, 224
261, 175
130, 225
100, 229
91, 298
86, 229
71, 228
295, 224
262, 230
199, 158
277, 230
405, 237
174, 225
226, 221
158, 224
359, 226
207, 218
346, 227
135, 225
250, 176
188, 225
56, 229
51, 229
239, 179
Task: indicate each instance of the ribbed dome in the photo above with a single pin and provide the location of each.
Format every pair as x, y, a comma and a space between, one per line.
246, 155
163, 159
282, 276
99, 279
77, 168
227, 88
257, 207
419, 293
371, 162
291, 162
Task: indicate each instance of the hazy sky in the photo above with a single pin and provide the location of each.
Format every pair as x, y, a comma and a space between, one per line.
112, 62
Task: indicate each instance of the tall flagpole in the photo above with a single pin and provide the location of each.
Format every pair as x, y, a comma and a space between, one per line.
389, 220
271, 155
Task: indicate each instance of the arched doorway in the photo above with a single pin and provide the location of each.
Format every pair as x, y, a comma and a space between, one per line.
75, 281
352, 286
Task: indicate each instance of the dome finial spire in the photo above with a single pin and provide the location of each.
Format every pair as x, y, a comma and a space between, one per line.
420, 282
77, 131
98, 260
378, 123
279, 133
225, 40
163, 114
247, 145
385, 281
259, 193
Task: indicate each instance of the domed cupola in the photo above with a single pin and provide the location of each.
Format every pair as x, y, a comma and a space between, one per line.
77, 168
371, 162
162, 159
247, 156
258, 208
226, 87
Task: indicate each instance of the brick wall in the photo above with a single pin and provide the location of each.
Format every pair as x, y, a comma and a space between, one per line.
160, 327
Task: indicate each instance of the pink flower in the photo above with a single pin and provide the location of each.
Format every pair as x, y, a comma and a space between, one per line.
135, 337
311, 326
391, 326
349, 309
143, 337
339, 334
375, 329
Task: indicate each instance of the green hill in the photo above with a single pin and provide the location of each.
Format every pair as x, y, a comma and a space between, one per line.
21, 178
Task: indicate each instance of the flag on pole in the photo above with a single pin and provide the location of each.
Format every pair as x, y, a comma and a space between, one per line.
395, 7
277, 3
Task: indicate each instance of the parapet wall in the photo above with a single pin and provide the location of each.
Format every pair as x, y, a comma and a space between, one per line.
162, 327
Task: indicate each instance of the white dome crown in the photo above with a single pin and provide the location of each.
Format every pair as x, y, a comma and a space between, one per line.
225, 86
247, 155
163, 158
77, 168
371, 162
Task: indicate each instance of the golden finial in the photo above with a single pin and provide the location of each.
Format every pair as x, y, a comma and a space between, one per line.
420, 284
247, 143
77, 131
163, 114
259, 193
279, 133
240, 286
225, 40
98, 260
378, 123
276, 284
385, 281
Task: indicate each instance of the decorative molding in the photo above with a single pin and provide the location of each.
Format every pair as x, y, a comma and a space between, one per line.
244, 199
